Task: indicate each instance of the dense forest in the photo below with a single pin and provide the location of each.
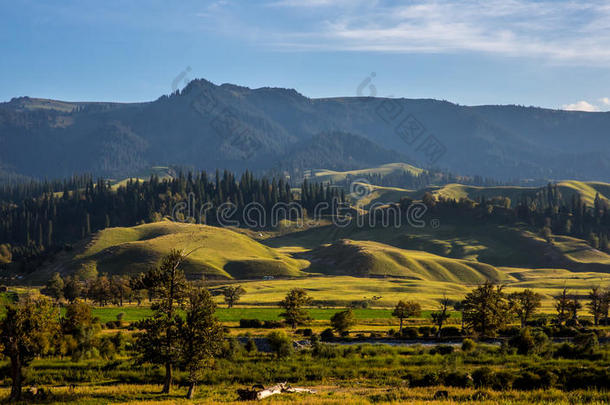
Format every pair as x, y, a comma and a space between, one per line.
36, 216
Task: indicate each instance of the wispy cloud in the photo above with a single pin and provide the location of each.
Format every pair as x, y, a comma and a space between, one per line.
563, 31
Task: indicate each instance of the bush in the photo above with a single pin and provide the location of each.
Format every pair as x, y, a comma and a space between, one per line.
527, 343
280, 343
509, 331
442, 350
273, 324
424, 331
250, 323
450, 331
458, 379
531, 380
409, 333
483, 377
468, 345
305, 332
327, 335
250, 346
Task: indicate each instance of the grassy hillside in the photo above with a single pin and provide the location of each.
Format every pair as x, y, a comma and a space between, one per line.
366, 259
586, 190
219, 252
383, 170
461, 238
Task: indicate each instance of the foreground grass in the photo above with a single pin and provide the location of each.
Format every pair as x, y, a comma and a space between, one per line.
148, 394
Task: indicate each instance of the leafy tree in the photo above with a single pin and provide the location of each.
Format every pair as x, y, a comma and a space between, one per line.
26, 332
486, 309
99, 290
573, 307
280, 343
406, 309
79, 327
562, 302
201, 336
524, 304
596, 304
343, 321
294, 314
439, 317
233, 294
72, 289
55, 287
159, 342
120, 288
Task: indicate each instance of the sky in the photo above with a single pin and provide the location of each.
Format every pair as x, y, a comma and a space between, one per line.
553, 54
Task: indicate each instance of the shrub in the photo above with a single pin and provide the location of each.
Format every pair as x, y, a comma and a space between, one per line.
280, 343
250, 346
468, 345
321, 350
273, 324
409, 333
586, 343
450, 331
458, 379
250, 323
327, 335
523, 342
442, 350
424, 331
483, 377
305, 332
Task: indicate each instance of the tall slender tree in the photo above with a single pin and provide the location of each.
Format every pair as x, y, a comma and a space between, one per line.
159, 341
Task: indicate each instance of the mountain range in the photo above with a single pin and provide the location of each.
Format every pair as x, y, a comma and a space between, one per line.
208, 126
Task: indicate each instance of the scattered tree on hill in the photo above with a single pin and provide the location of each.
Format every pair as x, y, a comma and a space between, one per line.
406, 309
232, 294
343, 321
201, 336
294, 314
439, 317
486, 309
26, 331
159, 341
524, 304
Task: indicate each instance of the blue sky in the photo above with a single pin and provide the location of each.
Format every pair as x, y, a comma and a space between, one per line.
553, 54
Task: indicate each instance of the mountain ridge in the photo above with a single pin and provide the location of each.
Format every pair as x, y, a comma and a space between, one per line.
209, 126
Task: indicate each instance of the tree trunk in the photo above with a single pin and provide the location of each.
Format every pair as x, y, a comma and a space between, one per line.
400, 330
191, 391
17, 379
167, 384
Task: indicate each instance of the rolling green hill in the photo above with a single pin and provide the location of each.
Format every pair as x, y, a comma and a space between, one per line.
374, 259
218, 252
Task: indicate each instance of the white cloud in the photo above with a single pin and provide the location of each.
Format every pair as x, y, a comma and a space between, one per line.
558, 30
605, 100
580, 106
